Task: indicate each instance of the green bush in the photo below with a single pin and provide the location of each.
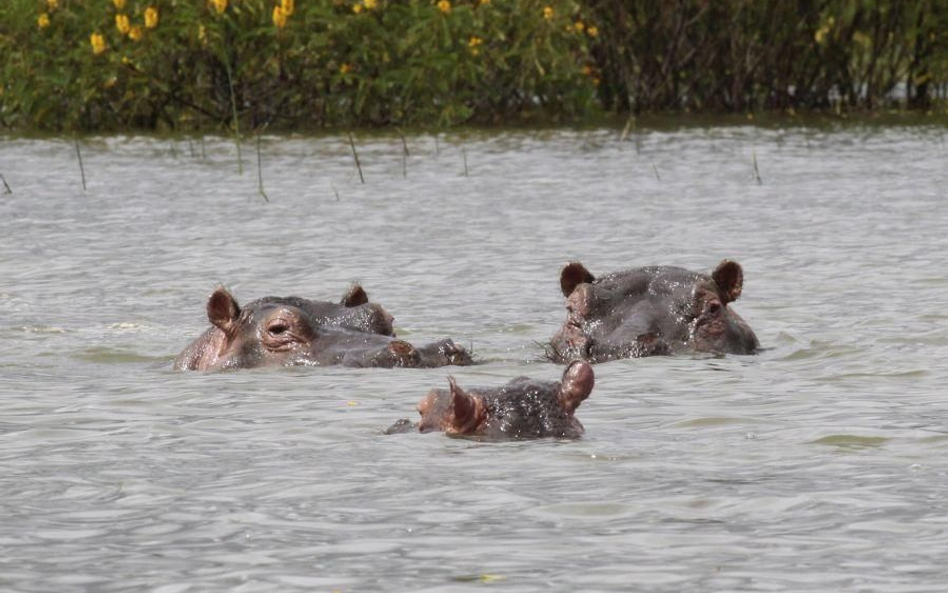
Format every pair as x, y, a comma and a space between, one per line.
247, 63
746, 55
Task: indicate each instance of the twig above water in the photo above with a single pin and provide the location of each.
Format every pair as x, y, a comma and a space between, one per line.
355, 155
82, 170
260, 172
629, 126
6, 186
405, 154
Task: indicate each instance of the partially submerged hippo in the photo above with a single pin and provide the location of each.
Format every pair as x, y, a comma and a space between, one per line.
650, 311
276, 331
522, 409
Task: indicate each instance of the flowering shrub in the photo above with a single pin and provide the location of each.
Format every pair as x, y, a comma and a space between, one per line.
176, 64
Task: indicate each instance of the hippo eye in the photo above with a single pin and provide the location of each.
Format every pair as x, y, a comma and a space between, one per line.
714, 308
278, 328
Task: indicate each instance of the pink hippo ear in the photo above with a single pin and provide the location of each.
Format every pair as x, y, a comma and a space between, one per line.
574, 274
465, 408
355, 297
577, 384
223, 311
729, 276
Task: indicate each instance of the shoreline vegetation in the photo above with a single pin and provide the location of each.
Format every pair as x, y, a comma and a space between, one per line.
242, 66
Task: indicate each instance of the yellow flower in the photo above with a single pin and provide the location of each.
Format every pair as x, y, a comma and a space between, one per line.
579, 26
593, 31
547, 12
43, 21
287, 6
444, 6
135, 33
370, 4
357, 8
52, 4
219, 5
821, 33
279, 17
483, 2
473, 44
121, 23
151, 17
202, 34
119, 4
98, 43
345, 68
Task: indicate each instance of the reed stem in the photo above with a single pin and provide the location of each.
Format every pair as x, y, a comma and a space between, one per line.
82, 170
355, 155
235, 123
260, 172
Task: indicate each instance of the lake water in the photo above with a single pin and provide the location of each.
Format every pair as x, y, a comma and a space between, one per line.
819, 465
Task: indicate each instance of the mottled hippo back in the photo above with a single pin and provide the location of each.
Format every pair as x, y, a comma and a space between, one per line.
651, 311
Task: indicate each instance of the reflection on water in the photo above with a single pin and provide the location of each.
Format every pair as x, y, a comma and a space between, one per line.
817, 465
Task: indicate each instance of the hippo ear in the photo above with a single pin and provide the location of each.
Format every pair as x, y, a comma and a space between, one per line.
355, 297
223, 311
577, 384
574, 274
464, 408
729, 276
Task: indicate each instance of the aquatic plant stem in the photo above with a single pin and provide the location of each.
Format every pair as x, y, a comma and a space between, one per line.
355, 155
464, 154
629, 126
235, 123
260, 172
404, 154
82, 170
756, 170
6, 186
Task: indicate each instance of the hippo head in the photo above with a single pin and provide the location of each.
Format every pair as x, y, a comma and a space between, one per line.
523, 408
277, 331
650, 311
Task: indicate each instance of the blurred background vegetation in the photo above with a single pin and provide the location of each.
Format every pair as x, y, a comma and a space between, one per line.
180, 65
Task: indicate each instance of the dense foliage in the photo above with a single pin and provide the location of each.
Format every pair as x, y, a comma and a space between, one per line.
185, 64
737, 55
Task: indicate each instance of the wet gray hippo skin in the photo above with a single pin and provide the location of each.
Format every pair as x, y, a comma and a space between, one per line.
291, 331
522, 409
651, 311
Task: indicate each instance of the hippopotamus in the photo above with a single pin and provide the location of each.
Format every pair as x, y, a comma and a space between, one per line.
291, 331
522, 409
649, 311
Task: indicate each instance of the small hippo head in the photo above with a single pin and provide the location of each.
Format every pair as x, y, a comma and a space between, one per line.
649, 311
523, 408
